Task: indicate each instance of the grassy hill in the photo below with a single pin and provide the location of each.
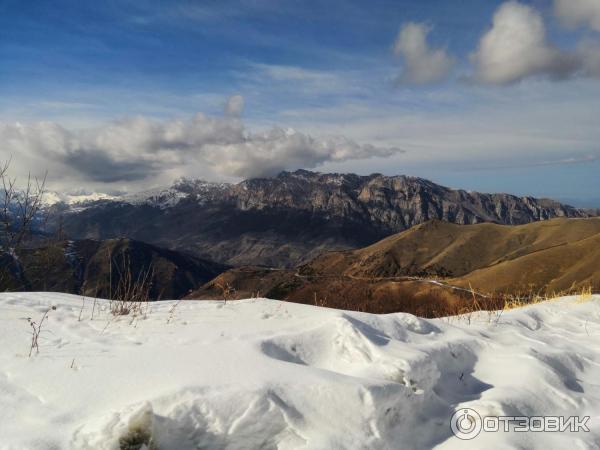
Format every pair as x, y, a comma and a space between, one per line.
432, 267
445, 249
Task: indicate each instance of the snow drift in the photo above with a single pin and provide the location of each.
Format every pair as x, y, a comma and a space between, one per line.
273, 375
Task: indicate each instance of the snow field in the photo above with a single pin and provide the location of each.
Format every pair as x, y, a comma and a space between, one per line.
274, 375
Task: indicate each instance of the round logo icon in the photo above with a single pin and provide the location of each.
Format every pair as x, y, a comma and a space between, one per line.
466, 424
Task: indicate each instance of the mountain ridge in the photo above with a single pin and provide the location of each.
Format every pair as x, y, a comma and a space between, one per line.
293, 217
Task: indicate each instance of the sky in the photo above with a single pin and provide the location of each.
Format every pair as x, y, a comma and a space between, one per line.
124, 95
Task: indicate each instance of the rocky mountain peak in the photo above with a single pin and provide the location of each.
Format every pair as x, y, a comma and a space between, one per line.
294, 216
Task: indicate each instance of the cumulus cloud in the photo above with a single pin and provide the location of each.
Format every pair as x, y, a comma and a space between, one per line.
578, 12
422, 64
516, 48
139, 148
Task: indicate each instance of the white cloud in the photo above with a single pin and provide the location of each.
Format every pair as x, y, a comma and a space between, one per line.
234, 106
422, 64
293, 73
589, 54
277, 149
516, 48
531, 123
308, 82
137, 149
578, 12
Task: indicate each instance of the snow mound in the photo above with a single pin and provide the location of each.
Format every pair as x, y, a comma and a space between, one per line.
264, 374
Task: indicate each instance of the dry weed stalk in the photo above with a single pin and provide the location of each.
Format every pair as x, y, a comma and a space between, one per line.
322, 302
585, 295
36, 329
82, 307
172, 310
226, 290
93, 308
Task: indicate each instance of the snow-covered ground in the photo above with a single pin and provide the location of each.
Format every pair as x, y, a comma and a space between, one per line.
263, 374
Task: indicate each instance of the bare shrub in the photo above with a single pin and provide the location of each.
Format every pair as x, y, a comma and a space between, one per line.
18, 211
18, 207
381, 296
131, 295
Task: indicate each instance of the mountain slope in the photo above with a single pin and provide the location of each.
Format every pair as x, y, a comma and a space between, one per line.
553, 255
572, 265
444, 249
293, 217
90, 267
430, 269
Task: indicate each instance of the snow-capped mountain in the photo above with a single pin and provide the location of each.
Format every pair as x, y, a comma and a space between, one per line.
292, 217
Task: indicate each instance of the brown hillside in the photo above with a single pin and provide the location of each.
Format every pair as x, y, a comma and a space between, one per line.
395, 274
569, 266
444, 249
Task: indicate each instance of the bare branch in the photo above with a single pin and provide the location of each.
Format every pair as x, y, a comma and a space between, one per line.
18, 208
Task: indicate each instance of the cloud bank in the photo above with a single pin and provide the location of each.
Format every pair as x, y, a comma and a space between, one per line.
422, 64
139, 148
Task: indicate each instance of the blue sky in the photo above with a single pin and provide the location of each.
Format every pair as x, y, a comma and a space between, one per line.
323, 68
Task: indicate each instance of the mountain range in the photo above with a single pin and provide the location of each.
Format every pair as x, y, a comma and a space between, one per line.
291, 218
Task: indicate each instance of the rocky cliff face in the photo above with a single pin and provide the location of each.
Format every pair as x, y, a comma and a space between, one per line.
291, 218
395, 202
